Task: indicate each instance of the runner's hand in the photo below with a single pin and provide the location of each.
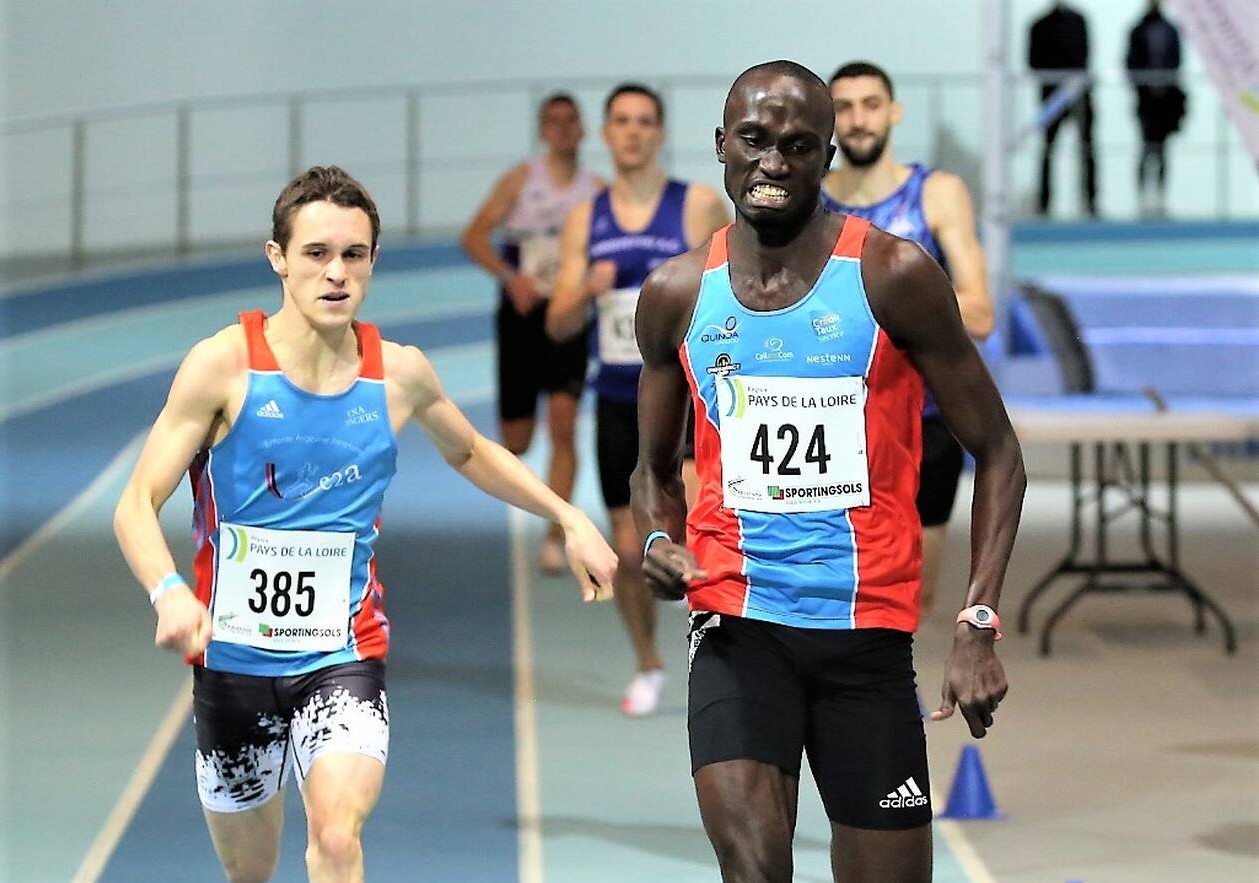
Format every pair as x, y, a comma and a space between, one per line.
590, 558
523, 293
600, 277
669, 569
973, 679
183, 623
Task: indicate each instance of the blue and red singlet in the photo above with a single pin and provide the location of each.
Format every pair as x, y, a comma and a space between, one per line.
287, 508
807, 444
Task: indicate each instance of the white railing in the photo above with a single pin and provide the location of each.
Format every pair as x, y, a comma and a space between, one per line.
177, 176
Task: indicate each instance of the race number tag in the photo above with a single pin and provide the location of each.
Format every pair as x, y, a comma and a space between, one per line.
617, 344
540, 259
283, 589
793, 444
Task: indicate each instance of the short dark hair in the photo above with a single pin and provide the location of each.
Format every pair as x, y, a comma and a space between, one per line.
864, 69
319, 183
556, 98
634, 89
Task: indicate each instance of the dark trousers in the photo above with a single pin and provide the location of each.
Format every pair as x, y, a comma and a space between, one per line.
1082, 113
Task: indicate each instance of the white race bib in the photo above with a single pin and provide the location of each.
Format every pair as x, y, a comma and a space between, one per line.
283, 589
617, 344
793, 444
540, 259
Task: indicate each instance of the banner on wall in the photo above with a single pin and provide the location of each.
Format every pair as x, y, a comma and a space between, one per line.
1226, 35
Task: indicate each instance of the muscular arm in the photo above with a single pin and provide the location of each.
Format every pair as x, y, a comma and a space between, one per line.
566, 314
951, 217
658, 497
198, 397
911, 299
476, 237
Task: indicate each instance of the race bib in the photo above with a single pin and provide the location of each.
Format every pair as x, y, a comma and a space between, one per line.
283, 589
793, 444
617, 344
540, 259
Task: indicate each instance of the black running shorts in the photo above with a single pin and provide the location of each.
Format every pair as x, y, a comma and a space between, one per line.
767, 692
939, 474
616, 448
530, 363
252, 730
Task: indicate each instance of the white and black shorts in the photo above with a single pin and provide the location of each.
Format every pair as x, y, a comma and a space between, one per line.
252, 731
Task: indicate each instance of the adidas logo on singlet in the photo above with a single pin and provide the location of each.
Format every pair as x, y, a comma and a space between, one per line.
270, 409
905, 796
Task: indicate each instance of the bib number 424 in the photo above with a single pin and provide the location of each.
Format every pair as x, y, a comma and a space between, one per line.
815, 451
277, 592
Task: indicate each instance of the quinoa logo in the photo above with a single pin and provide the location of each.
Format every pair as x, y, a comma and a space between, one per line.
721, 333
775, 492
240, 543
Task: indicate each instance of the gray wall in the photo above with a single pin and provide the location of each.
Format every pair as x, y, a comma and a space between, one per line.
59, 57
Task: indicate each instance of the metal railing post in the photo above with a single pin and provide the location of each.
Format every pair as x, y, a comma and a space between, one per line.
413, 162
295, 136
183, 178
78, 174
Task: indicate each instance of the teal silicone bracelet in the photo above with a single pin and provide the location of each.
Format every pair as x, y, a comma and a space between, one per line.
652, 537
167, 583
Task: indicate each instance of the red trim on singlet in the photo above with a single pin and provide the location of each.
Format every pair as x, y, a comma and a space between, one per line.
852, 237
718, 251
261, 358
203, 560
371, 632
887, 533
725, 589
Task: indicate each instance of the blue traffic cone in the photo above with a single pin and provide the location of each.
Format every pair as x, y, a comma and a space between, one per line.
970, 797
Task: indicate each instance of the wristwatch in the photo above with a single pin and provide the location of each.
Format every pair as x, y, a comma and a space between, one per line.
981, 616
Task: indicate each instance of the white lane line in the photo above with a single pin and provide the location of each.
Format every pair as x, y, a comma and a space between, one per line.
73, 509
528, 801
964, 851
141, 780
959, 844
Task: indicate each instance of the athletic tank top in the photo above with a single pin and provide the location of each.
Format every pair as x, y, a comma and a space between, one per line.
636, 254
531, 232
286, 509
901, 214
807, 442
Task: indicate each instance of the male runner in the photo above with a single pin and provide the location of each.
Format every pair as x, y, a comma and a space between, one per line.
289, 424
530, 203
608, 246
932, 208
801, 563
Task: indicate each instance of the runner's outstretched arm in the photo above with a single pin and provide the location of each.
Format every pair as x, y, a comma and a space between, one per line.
497, 471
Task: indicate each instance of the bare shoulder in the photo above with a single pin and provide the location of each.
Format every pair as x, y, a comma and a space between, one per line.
944, 194
903, 284
667, 301
702, 194
223, 354
405, 365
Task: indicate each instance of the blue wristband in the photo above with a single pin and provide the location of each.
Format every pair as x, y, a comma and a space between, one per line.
167, 583
652, 537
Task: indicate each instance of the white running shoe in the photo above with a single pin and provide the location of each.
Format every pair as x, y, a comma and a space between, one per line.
551, 559
642, 696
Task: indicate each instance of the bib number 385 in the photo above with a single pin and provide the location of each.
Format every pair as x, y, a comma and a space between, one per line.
283, 590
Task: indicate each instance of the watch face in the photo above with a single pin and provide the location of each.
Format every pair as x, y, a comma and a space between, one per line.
981, 616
